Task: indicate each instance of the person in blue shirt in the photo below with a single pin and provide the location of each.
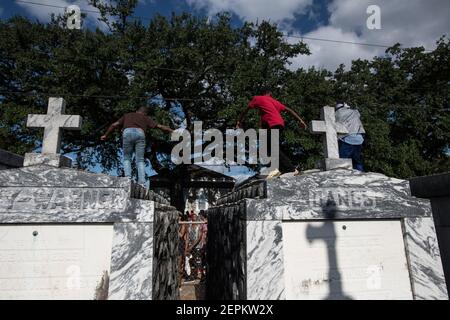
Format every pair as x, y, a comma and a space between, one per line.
351, 144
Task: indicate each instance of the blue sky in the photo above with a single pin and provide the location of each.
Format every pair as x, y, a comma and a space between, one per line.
410, 22
148, 8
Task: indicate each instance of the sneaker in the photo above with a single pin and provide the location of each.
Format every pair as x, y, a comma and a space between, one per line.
275, 173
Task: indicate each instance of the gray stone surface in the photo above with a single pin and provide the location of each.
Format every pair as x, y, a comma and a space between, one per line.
49, 159
356, 194
265, 260
437, 189
226, 252
131, 262
143, 222
165, 267
330, 164
336, 194
47, 176
427, 277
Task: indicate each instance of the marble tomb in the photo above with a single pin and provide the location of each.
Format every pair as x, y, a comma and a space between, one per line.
336, 234
70, 234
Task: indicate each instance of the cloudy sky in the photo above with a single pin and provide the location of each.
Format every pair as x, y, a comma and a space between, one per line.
409, 22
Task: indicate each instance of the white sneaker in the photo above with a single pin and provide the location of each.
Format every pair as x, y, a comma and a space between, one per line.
275, 173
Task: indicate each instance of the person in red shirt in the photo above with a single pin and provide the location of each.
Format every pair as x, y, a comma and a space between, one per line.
270, 111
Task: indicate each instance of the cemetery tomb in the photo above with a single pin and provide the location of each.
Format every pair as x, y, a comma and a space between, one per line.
338, 234
70, 234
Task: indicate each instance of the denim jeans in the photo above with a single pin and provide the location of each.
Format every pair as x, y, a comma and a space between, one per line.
134, 141
350, 151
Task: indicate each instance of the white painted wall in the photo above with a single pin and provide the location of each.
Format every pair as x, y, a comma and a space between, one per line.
353, 259
60, 262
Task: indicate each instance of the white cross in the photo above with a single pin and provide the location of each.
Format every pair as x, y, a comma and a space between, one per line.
53, 122
331, 128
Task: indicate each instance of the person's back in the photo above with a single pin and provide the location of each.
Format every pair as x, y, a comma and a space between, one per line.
350, 118
137, 120
134, 125
350, 144
270, 110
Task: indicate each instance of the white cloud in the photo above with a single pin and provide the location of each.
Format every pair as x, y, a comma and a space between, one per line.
252, 10
411, 23
328, 54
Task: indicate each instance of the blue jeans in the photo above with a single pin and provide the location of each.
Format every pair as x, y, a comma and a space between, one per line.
350, 151
134, 141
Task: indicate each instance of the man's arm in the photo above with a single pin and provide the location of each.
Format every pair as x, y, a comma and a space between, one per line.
116, 125
297, 117
164, 128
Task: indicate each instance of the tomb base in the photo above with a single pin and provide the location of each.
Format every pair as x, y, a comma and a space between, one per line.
331, 164
338, 234
69, 234
49, 159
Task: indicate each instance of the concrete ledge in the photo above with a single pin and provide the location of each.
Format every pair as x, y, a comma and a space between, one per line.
330, 164
50, 159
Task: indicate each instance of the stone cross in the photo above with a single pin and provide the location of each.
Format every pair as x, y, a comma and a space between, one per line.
53, 122
331, 128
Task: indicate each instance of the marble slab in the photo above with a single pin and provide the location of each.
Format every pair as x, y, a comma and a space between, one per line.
49, 159
47, 176
427, 275
265, 269
349, 194
67, 197
131, 262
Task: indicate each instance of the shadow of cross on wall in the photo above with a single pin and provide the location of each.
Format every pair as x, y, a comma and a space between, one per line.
335, 291
53, 122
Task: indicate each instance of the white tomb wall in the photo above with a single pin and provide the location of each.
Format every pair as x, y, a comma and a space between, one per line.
53, 261
345, 260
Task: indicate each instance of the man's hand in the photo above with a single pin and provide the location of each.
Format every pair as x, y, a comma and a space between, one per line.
104, 137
